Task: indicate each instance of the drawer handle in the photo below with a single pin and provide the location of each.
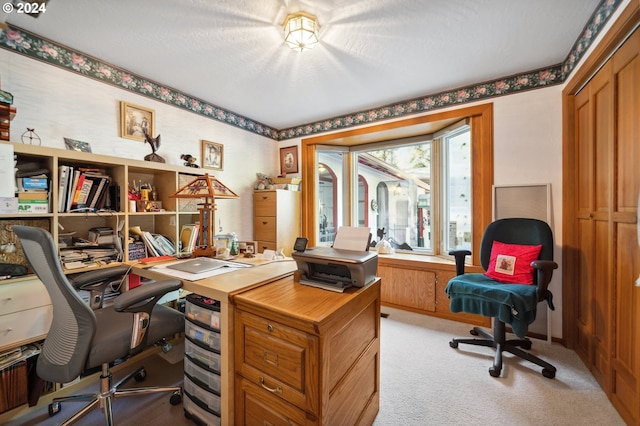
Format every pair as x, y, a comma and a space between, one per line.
278, 389
264, 223
269, 327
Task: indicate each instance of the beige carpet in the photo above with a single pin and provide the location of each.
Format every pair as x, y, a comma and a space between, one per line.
423, 382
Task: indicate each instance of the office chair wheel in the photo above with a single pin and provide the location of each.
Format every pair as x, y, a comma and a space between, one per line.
176, 398
526, 345
453, 344
54, 408
474, 332
494, 372
549, 374
140, 375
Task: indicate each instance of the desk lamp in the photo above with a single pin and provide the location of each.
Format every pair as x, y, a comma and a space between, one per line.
208, 188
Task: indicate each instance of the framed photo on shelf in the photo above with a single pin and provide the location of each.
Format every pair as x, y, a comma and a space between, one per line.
75, 145
135, 120
248, 247
212, 155
289, 159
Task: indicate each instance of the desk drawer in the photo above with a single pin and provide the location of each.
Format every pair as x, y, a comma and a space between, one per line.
254, 406
19, 296
266, 245
264, 228
25, 325
277, 358
264, 203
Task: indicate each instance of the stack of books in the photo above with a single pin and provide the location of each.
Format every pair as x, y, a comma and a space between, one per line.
82, 189
32, 188
82, 253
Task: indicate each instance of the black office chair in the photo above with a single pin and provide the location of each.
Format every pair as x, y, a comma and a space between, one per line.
502, 295
81, 339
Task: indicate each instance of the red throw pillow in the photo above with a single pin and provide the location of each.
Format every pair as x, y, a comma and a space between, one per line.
511, 263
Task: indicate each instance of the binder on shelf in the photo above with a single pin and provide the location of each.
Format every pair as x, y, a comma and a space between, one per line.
85, 189
72, 181
63, 177
100, 193
74, 189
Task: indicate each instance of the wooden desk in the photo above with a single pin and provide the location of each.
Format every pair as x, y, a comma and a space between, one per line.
341, 332
222, 288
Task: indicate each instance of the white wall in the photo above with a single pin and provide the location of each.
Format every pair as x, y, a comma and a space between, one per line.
527, 149
58, 103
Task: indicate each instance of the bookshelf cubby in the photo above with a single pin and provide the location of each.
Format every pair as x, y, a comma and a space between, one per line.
164, 179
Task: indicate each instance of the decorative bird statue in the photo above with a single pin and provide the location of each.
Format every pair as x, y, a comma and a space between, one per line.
155, 144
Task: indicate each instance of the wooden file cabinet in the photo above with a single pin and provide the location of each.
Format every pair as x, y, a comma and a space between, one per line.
307, 356
276, 219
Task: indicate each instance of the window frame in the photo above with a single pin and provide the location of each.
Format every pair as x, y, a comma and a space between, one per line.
481, 121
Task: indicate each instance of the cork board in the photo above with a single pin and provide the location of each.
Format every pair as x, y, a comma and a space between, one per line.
8, 237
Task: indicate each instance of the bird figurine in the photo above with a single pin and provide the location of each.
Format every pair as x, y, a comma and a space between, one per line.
155, 144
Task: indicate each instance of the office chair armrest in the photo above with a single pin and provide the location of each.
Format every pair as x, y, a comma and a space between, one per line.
460, 256
98, 277
544, 272
143, 298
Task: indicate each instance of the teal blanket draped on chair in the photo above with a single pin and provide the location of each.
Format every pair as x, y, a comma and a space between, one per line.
513, 304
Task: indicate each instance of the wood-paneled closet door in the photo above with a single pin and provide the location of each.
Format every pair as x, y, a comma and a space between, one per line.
602, 252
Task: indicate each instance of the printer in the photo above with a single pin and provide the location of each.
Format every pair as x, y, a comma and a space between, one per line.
336, 269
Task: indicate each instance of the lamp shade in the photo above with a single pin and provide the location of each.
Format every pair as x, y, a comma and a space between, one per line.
301, 31
205, 186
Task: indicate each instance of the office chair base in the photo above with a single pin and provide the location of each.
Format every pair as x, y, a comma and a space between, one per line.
501, 344
108, 392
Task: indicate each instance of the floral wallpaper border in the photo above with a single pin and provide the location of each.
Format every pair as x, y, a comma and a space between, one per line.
32, 45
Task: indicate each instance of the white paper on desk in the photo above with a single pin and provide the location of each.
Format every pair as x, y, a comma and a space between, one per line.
352, 238
7, 172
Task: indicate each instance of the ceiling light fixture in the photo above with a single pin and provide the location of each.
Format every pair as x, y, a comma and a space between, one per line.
301, 31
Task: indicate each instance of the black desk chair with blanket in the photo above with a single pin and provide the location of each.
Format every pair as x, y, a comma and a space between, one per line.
82, 340
518, 257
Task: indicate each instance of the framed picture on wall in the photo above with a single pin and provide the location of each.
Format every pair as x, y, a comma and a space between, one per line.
212, 155
289, 159
135, 120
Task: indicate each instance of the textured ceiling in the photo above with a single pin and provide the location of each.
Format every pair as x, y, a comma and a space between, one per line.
231, 53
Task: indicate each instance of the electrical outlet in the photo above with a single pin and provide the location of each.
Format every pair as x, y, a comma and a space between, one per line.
172, 221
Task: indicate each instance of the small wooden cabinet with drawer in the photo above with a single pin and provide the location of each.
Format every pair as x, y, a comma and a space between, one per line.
276, 219
25, 312
307, 356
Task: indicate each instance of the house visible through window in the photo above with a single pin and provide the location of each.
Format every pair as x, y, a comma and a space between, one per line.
413, 192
